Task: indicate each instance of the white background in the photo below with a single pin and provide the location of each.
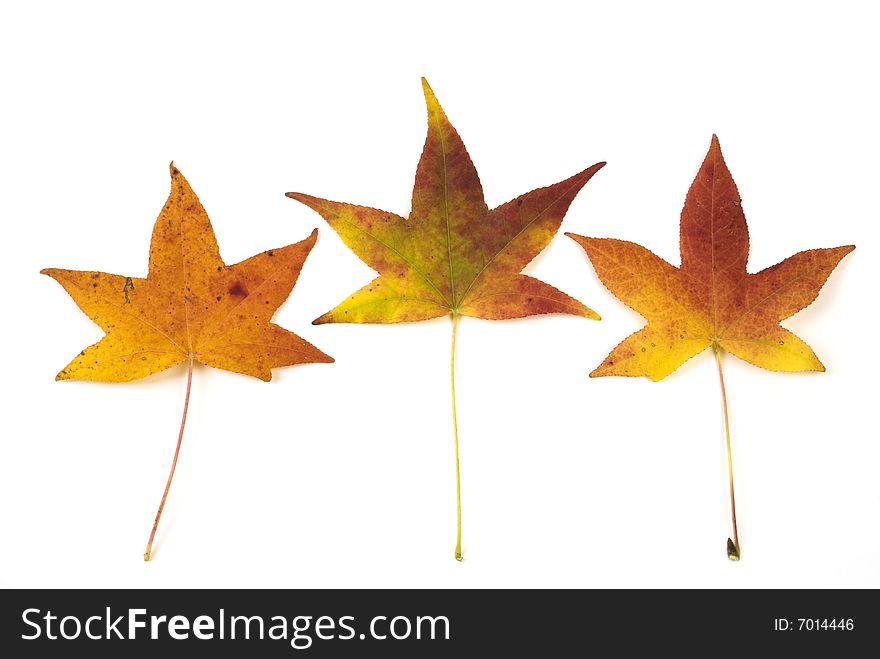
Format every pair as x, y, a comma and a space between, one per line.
343, 475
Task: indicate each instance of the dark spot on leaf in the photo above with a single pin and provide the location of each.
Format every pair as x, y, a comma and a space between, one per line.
237, 290
519, 202
270, 253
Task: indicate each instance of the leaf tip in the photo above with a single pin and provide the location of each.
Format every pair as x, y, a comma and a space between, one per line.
582, 178
172, 168
312, 238
430, 98
304, 199
579, 239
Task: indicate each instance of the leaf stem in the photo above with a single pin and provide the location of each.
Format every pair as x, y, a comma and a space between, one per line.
189, 377
458, 555
733, 551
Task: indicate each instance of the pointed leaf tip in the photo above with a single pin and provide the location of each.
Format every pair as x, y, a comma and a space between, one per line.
578, 238
591, 170
311, 238
300, 197
430, 97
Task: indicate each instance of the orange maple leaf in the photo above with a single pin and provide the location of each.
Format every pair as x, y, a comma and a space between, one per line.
711, 300
191, 307
452, 255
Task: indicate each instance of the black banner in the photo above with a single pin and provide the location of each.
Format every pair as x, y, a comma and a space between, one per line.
431, 623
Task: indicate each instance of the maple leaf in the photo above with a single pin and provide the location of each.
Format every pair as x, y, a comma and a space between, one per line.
191, 307
710, 300
452, 255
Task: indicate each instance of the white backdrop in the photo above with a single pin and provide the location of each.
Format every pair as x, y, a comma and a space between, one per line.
343, 475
